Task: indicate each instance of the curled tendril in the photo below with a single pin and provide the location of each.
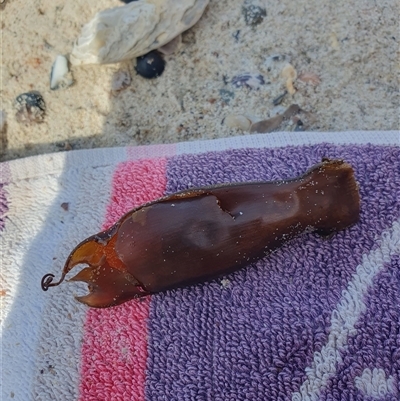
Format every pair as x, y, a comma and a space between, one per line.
47, 281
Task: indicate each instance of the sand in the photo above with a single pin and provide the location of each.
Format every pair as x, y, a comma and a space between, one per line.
349, 49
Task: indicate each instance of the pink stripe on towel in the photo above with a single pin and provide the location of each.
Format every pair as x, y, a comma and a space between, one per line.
114, 351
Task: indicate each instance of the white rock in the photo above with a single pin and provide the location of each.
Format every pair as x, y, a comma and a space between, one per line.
129, 31
238, 121
60, 76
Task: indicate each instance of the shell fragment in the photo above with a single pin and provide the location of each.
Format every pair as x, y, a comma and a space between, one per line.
134, 29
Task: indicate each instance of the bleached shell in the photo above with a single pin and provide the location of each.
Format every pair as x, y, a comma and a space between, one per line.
237, 121
290, 74
60, 76
129, 31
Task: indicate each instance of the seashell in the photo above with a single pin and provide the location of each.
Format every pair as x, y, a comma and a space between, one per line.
150, 65
60, 76
237, 121
120, 80
310, 78
30, 107
251, 81
290, 74
134, 29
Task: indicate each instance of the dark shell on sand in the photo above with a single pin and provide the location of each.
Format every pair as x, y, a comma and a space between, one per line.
30, 107
253, 14
251, 81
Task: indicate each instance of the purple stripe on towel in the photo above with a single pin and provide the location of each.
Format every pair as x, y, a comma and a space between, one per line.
251, 336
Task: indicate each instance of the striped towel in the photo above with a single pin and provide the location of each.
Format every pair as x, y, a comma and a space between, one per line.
316, 320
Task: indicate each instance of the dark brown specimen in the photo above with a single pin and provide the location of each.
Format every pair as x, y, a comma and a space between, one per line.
204, 233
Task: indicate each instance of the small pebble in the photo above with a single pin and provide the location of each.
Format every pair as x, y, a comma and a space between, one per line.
278, 100
30, 107
253, 14
275, 58
151, 65
120, 80
225, 283
310, 78
60, 75
299, 126
65, 206
226, 95
237, 121
251, 81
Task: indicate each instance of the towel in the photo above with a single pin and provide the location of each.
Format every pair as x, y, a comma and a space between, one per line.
318, 319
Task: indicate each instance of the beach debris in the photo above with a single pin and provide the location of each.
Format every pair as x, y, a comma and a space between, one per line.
274, 64
237, 121
273, 123
299, 125
278, 100
226, 95
134, 29
60, 75
30, 107
65, 206
64, 146
120, 80
290, 74
253, 14
309, 78
151, 65
171, 47
274, 58
208, 233
251, 81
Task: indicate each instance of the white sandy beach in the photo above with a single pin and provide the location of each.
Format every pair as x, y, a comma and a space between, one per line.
352, 49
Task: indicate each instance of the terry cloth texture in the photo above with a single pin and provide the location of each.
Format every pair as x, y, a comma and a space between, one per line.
316, 320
